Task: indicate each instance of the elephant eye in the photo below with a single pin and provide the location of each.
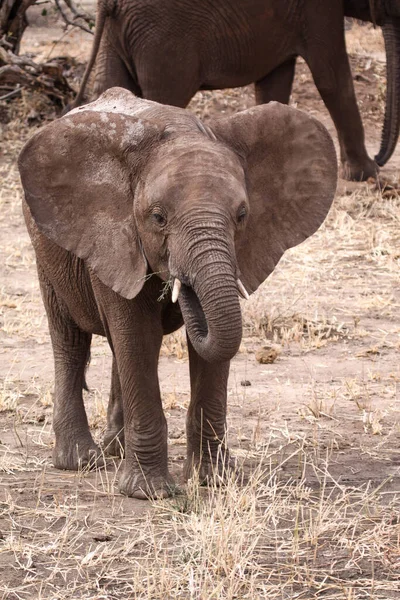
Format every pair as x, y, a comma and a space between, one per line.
241, 215
159, 218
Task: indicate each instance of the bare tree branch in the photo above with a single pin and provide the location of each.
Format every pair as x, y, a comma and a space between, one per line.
74, 22
89, 18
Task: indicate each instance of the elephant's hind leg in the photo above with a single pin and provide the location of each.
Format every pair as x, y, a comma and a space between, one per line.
74, 447
330, 68
277, 85
163, 77
114, 438
111, 71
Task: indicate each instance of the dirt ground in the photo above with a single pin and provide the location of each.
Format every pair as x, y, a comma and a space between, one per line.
317, 430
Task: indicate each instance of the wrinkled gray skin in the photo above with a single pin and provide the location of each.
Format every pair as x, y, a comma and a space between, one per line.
166, 50
122, 195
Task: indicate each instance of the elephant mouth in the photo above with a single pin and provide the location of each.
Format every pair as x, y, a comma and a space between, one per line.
192, 311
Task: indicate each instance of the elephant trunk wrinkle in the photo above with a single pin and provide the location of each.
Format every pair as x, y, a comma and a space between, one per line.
391, 124
210, 303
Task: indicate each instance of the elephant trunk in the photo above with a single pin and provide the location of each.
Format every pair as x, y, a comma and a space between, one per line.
209, 298
391, 124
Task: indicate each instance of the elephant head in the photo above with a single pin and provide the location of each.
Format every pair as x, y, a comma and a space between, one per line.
385, 13
135, 188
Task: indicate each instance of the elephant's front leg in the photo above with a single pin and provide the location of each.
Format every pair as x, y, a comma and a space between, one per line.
206, 419
145, 470
135, 332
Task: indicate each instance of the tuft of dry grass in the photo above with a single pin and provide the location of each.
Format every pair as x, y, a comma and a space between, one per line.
175, 345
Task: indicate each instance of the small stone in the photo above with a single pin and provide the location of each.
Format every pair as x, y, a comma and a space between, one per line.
47, 498
102, 537
268, 354
245, 383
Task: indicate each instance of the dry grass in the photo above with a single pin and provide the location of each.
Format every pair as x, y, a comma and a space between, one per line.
270, 537
357, 246
365, 40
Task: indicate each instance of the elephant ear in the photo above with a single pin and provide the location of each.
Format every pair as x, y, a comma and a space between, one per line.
78, 175
291, 173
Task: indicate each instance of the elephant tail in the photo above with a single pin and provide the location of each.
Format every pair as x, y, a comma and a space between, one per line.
104, 10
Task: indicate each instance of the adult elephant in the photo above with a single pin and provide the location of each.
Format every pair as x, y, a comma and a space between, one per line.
125, 195
166, 50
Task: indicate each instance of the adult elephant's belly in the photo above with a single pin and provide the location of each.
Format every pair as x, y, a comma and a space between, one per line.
249, 63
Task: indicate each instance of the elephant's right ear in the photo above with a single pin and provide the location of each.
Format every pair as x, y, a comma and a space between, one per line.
78, 175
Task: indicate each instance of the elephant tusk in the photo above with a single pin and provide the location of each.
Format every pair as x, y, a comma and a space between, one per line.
176, 290
242, 290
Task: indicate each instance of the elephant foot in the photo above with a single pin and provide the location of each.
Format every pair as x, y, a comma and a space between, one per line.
77, 453
145, 485
211, 470
114, 442
359, 171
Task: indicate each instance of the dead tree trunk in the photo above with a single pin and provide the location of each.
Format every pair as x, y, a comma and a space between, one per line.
13, 22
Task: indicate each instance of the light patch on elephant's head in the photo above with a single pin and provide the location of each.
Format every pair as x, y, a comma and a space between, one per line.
88, 126
133, 130
116, 100
133, 133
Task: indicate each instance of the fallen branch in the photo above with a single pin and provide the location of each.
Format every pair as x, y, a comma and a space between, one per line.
11, 94
23, 73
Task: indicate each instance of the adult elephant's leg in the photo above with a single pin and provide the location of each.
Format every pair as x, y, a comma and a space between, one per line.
333, 78
277, 85
74, 447
114, 441
206, 418
111, 71
175, 95
166, 78
134, 330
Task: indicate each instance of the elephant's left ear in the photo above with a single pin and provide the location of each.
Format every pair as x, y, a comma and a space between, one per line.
291, 173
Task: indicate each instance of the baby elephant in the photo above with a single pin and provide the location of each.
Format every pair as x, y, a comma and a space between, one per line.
142, 219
